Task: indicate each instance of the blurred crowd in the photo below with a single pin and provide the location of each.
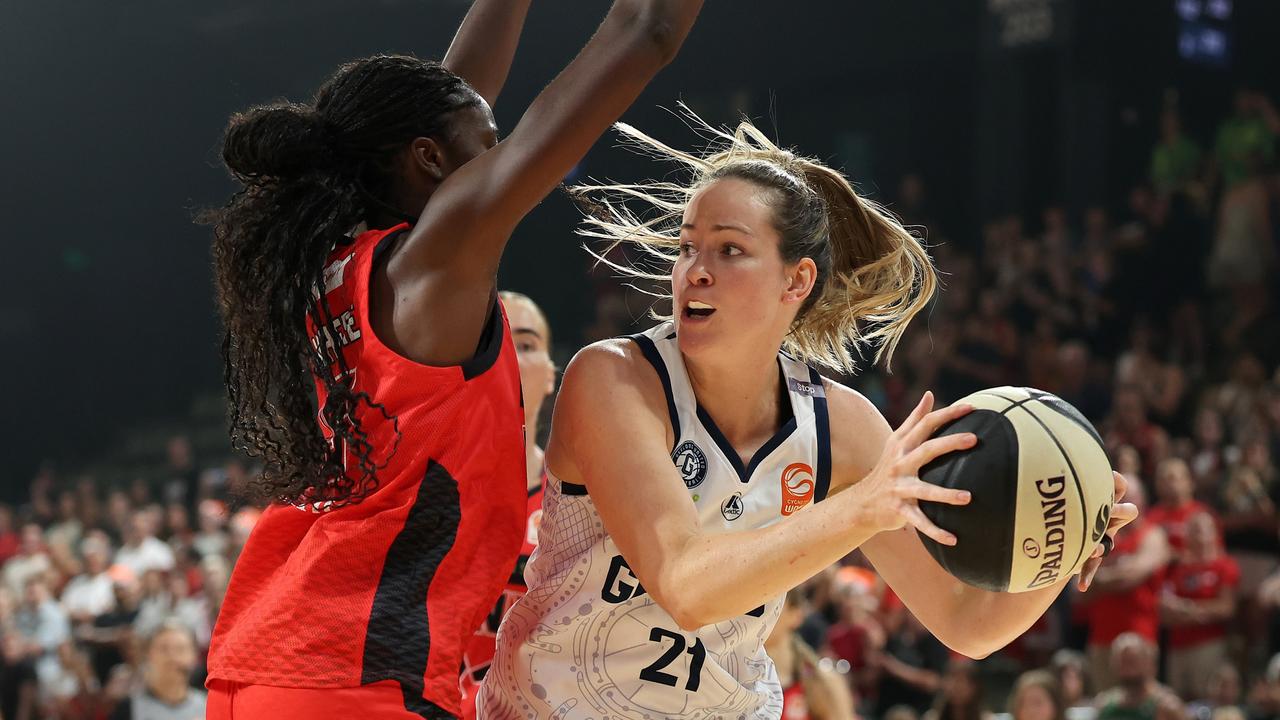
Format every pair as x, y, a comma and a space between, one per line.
108, 594
1158, 321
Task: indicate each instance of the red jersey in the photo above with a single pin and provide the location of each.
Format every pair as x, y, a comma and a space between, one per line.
1174, 520
480, 650
1201, 581
392, 587
794, 704
1135, 610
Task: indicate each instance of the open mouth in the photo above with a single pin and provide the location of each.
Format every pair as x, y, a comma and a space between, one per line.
696, 309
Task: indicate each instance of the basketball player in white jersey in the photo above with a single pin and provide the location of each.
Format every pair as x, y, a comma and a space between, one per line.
695, 470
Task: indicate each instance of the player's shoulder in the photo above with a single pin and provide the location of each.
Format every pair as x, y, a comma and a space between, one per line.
858, 433
851, 409
612, 362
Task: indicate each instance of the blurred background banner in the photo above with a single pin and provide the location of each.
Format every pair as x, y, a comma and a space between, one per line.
1097, 179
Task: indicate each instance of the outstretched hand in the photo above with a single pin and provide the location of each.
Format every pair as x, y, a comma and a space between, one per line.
891, 493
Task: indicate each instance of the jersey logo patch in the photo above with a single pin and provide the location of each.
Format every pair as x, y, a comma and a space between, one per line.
797, 487
691, 462
807, 389
731, 508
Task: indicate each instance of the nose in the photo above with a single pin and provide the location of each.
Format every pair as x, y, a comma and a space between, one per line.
699, 274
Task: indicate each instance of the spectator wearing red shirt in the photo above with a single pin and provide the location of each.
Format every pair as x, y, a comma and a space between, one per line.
9, 541
1199, 599
1175, 501
1124, 596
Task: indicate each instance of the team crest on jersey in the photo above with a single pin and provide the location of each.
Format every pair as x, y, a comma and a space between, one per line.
797, 487
691, 462
731, 508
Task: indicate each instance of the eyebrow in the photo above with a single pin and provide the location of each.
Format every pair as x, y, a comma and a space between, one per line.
526, 331
721, 226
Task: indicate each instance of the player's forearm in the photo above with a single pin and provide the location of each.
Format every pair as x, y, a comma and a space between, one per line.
714, 577
977, 622
485, 44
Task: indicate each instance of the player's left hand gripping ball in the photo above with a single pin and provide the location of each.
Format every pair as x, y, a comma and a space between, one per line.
1121, 514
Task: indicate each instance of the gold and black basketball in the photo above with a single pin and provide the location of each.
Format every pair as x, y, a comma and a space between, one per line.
1041, 490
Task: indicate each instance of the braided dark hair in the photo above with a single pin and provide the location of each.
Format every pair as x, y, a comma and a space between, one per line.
309, 174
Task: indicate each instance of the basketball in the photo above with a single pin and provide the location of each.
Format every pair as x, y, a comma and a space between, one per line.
1041, 486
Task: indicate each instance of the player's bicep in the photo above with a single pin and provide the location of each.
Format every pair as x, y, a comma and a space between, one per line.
610, 430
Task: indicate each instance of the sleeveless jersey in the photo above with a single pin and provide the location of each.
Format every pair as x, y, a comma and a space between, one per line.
391, 587
587, 641
479, 652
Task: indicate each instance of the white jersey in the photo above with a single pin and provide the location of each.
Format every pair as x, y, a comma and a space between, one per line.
587, 641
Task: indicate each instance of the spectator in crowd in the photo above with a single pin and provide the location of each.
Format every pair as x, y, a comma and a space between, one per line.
857, 632
43, 627
1198, 602
10, 543
1222, 691
73, 692
182, 484
908, 670
1129, 425
1069, 669
31, 560
1036, 696
1264, 697
1137, 695
109, 638
166, 692
211, 539
1124, 596
65, 533
1246, 138
1208, 458
1175, 501
1176, 159
810, 691
91, 593
142, 551
961, 695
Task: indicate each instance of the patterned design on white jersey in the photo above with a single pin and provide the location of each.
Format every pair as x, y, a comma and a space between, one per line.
588, 643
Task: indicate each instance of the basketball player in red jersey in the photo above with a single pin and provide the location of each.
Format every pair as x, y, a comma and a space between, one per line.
532, 336
359, 259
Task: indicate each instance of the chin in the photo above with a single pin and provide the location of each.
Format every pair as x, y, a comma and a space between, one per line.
694, 340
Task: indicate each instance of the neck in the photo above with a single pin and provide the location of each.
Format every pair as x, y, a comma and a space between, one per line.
741, 395
533, 455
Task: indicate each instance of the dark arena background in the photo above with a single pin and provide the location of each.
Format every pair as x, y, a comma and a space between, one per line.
1097, 180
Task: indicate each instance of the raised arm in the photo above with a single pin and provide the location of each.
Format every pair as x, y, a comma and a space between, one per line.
444, 272
482, 50
623, 457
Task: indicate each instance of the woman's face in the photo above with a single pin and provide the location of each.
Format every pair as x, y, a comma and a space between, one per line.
1034, 703
730, 286
530, 334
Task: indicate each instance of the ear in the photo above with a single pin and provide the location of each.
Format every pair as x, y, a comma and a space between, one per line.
427, 155
800, 280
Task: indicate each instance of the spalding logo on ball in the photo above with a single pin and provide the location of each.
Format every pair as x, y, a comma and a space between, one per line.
1041, 490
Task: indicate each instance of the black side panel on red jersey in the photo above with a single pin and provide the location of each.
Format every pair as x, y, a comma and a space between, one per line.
398, 640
